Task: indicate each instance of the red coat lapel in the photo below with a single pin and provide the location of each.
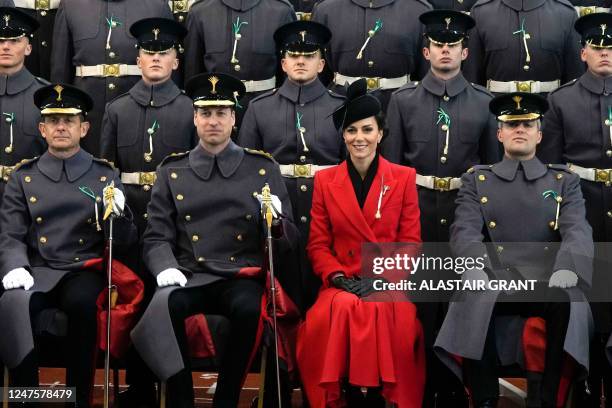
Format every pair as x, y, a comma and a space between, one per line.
342, 191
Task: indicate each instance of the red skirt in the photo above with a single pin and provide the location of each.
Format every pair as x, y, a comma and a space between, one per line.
369, 343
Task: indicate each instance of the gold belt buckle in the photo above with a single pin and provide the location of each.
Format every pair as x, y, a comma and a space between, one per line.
147, 178
110, 70
442, 183
523, 86
602, 175
41, 4
179, 6
586, 10
302, 170
373, 83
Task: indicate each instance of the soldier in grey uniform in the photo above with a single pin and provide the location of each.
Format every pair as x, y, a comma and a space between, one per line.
19, 136
39, 63
441, 127
301, 135
236, 36
578, 130
522, 207
523, 45
151, 121
94, 50
211, 191
380, 40
141, 127
51, 223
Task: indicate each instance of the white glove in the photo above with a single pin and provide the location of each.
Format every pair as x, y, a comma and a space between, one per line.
475, 276
116, 201
171, 276
277, 205
18, 278
563, 278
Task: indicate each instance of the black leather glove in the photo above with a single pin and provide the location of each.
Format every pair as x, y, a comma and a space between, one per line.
347, 284
366, 286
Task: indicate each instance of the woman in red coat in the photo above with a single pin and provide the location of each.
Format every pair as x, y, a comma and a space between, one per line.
345, 342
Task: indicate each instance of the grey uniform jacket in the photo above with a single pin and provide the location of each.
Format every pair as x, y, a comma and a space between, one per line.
417, 138
49, 227
125, 139
20, 114
210, 41
504, 204
198, 196
80, 38
497, 49
394, 51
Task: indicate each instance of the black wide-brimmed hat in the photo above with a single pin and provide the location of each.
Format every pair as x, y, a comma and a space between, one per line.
359, 105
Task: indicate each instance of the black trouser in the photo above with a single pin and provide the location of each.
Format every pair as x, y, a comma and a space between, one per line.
442, 387
239, 300
482, 375
75, 295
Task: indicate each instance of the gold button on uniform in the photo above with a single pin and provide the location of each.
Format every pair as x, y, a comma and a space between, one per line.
103, 179
444, 127
145, 216
181, 18
239, 237
304, 219
609, 153
559, 176
81, 241
303, 159
236, 68
43, 43
43, 240
188, 217
179, 197
304, 187
443, 221
609, 214
492, 224
232, 259
201, 259
446, 98
482, 177
248, 217
111, 86
146, 187
33, 199
195, 238
39, 220
370, 64
551, 224
173, 175
27, 179
443, 159
111, 54
484, 200
44, 13
262, 172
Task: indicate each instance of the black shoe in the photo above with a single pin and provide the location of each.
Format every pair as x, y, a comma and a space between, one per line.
488, 403
137, 397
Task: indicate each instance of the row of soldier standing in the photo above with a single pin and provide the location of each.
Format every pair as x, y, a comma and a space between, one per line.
533, 61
